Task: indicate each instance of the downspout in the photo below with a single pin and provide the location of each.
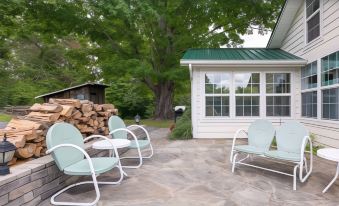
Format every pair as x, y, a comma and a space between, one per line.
192, 103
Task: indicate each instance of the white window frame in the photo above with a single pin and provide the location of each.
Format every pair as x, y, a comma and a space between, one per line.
279, 94
218, 95
246, 95
314, 89
319, 10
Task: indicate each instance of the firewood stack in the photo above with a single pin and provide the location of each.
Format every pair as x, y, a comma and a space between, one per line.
28, 132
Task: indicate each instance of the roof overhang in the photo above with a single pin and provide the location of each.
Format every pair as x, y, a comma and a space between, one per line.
245, 63
284, 23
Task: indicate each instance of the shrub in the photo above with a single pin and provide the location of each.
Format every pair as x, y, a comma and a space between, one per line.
183, 127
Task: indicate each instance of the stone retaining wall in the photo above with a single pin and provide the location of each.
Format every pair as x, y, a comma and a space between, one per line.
32, 182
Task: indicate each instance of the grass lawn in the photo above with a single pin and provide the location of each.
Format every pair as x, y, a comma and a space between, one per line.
152, 122
5, 118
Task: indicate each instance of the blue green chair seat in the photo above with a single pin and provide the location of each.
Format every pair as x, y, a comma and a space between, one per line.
250, 149
142, 144
289, 156
101, 165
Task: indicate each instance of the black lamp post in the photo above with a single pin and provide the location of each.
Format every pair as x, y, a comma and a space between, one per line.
7, 150
137, 119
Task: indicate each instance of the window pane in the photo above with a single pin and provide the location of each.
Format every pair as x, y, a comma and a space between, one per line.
313, 27
255, 110
209, 101
255, 88
239, 111
239, 100
255, 101
209, 110
330, 104
217, 101
247, 111
278, 106
309, 104
209, 88
247, 100
217, 110
311, 7
309, 76
225, 111
281, 83
225, 100
247, 83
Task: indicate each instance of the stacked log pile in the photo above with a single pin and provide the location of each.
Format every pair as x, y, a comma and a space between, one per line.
28, 132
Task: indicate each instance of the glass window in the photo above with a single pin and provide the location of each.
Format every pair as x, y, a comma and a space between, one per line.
309, 76
247, 92
330, 69
312, 19
217, 94
309, 104
278, 83
278, 99
330, 104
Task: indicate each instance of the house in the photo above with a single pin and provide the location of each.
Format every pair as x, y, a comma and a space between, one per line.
89, 91
295, 77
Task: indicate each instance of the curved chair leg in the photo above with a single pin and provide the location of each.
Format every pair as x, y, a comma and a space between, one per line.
233, 162
151, 149
96, 187
295, 177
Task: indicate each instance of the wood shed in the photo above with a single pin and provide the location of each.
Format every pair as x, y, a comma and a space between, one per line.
94, 92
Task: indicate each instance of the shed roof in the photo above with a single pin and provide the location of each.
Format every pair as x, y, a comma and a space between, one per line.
74, 87
238, 54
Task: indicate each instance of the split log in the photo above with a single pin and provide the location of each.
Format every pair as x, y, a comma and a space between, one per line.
37, 152
50, 117
106, 107
26, 152
73, 102
12, 162
22, 124
18, 140
53, 108
66, 110
88, 114
86, 108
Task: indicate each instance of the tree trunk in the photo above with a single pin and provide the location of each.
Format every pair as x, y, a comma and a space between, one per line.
163, 100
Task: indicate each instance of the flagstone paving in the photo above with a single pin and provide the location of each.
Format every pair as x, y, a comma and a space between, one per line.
198, 172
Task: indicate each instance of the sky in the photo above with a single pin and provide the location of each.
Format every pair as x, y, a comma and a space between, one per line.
255, 40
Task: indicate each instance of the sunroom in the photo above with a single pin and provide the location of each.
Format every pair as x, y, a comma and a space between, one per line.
232, 87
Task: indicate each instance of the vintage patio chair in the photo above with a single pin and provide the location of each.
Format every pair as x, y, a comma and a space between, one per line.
119, 130
260, 136
66, 144
292, 138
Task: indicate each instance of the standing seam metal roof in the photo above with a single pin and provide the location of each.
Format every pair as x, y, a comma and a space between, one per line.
238, 54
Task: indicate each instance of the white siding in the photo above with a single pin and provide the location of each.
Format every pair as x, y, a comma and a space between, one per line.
327, 132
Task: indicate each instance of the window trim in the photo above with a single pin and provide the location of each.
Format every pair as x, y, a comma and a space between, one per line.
265, 94
306, 19
217, 95
246, 94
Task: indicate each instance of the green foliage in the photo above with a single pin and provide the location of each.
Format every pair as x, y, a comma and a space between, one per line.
5, 118
183, 127
49, 45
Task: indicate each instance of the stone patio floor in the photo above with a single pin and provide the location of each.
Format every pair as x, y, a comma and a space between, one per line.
198, 172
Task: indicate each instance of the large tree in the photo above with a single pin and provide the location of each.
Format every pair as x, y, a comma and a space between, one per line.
147, 38
142, 40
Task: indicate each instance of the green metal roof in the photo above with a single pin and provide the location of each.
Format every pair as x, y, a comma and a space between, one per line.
238, 54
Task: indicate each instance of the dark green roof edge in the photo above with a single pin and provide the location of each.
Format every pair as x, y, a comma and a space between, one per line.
242, 54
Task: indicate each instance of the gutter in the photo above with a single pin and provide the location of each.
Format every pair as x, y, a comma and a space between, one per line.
242, 63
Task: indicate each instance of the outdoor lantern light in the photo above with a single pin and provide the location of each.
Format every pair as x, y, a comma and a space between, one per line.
137, 119
7, 150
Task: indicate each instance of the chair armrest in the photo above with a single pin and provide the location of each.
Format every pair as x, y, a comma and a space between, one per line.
107, 139
78, 148
128, 131
234, 139
143, 128
302, 152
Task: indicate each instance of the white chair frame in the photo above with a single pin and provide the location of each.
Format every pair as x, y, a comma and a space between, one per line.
94, 176
300, 164
140, 157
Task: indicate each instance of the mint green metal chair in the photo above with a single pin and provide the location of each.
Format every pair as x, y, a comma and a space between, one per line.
292, 138
260, 136
119, 130
66, 145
